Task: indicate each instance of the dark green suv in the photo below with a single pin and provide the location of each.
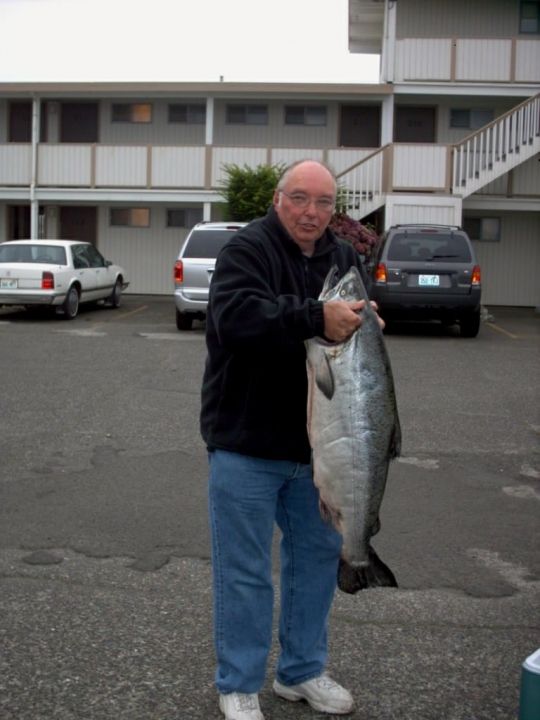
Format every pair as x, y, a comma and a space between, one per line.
428, 272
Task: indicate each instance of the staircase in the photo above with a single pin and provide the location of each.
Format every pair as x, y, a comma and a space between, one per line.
362, 186
476, 161
496, 148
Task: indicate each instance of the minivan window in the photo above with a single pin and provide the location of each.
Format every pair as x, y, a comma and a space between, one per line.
421, 246
207, 243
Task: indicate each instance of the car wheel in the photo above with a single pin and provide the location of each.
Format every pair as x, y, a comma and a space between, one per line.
184, 321
70, 306
116, 295
469, 324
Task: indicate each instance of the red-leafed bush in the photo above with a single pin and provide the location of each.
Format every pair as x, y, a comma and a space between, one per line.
362, 237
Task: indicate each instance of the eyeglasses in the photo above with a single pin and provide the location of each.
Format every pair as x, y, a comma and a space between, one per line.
302, 201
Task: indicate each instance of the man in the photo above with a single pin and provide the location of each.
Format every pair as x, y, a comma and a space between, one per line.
263, 306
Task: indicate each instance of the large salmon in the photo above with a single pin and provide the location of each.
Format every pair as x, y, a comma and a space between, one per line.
354, 431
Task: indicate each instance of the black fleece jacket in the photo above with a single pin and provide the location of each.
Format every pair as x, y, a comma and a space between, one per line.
263, 305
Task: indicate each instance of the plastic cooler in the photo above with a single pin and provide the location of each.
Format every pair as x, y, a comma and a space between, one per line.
529, 699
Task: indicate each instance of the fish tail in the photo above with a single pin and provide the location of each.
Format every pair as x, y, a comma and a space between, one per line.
374, 574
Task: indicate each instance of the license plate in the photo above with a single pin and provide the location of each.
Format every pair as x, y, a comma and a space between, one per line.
8, 284
428, 280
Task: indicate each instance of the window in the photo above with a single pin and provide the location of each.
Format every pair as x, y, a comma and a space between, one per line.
247, 114
470, 119
131, 112
188, 114
130, 217
487, 229
452, 248
184, 217
529, 17
305, 115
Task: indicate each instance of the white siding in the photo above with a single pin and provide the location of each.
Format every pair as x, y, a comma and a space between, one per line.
15, 164
146, 254
457, 18
287, 156
420, 166
65, 165
340, 160
423, 59
422, 209
528, 61
487, 60
178, 167
121, 166
526, 178
510, 267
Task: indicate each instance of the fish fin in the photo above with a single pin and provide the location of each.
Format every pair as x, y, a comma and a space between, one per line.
328, 514
324, 377
375, 574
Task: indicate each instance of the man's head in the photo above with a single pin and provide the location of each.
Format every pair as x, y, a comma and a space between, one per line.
304, 200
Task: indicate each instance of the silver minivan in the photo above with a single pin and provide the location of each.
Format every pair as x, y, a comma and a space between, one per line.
194, 267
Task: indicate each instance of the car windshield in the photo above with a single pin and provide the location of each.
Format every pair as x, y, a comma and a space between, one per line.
423, 246
207, 243
30, 253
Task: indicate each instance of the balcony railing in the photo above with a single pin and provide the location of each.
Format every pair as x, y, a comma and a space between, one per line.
509, 60
496, 148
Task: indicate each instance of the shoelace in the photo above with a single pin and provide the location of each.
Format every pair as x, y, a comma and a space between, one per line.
326, 682
246, 702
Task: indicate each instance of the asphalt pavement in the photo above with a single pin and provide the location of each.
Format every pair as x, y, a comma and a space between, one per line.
105, 593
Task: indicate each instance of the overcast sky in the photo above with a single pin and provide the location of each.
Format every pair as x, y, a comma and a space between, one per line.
179, 40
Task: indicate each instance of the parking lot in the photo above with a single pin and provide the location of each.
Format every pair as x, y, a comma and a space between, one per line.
104, 550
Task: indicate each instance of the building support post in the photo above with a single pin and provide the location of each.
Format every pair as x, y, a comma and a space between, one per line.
34, 203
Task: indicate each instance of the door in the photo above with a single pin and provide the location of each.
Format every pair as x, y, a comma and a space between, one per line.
360, 126
20, 122
78, 223
19, 222
414, 124
79, 122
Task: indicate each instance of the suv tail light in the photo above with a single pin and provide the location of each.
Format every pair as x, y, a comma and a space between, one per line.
47, 281
476, 276
380, 273
178, 272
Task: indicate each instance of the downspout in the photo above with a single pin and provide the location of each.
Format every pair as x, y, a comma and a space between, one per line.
34, 204
208, 140
389, 42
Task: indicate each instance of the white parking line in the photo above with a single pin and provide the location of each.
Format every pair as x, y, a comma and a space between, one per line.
514, 574
83, 333
183, 337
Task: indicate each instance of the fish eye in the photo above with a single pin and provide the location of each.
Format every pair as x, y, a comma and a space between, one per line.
342, 292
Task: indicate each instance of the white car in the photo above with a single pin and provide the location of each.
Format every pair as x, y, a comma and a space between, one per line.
61, 273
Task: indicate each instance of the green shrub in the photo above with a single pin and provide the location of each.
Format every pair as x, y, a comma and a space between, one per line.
248, 191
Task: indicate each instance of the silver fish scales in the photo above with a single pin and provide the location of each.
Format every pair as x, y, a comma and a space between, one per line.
354, 431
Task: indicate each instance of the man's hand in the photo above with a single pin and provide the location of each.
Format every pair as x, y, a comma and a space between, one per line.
342, 318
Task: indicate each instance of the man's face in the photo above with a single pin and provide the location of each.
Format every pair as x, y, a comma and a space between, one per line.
306, 202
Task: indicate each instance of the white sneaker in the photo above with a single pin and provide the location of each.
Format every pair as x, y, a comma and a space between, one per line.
240, 706
322, 693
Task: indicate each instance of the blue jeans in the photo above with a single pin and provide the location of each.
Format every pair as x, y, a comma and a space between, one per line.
246, 496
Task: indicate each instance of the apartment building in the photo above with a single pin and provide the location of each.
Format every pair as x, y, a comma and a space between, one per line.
450, 134
460, 133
